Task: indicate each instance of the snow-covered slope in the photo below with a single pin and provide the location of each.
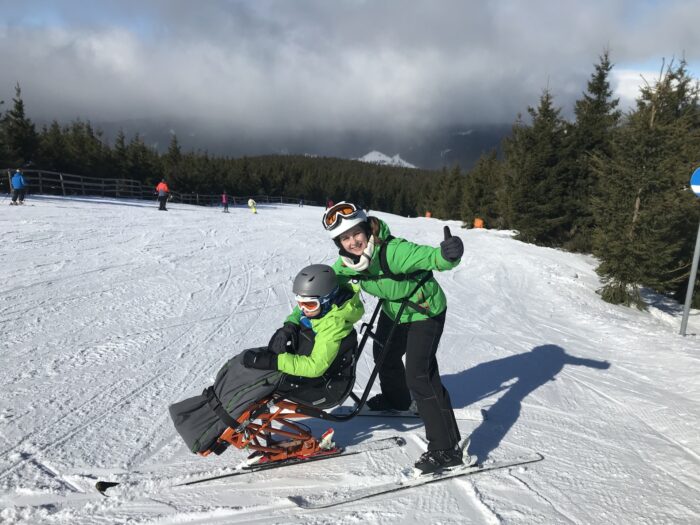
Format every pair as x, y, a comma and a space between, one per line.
111, 310
377, 157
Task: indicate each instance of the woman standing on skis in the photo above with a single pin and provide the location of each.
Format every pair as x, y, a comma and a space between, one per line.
397, 270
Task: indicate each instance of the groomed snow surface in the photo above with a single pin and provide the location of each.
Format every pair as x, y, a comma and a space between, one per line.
111, 310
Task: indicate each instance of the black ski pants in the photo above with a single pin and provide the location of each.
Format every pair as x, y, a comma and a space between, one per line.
18, 193
418, 341
162, 199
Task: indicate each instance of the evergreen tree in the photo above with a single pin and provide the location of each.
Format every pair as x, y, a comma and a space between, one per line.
591, 134
145, 163
21, 139
645, 214
120, 157
539, 190
85, 154
448, 198
173, 161
428, 198
52, 148
481, 192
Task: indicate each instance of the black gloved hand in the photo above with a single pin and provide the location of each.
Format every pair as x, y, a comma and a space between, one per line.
278, 341
451, 248
262, 360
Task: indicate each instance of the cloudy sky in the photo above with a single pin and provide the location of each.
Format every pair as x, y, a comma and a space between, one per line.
329, 65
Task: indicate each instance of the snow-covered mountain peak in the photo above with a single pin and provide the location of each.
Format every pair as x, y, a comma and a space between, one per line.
377, 157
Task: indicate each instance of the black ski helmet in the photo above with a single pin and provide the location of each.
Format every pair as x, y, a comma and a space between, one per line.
317, 280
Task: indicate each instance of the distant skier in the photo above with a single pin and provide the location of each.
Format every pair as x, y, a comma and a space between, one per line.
224, 201
252, 205
19, 188
391, 268
162, 190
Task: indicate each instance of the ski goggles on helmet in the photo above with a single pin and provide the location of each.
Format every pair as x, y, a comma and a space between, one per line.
342, 210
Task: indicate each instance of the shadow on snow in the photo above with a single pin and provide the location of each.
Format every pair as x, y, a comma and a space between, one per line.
515, 377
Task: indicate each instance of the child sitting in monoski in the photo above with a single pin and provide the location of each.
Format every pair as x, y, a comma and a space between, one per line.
317, 334
313, 334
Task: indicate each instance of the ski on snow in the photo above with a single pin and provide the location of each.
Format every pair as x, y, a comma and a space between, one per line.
471, 415
370, 446
331, 499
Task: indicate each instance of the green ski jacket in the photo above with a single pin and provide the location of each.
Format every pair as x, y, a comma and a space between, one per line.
329, 332
402, 257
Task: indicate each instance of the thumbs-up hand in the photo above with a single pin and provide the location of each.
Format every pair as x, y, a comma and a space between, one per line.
451, 248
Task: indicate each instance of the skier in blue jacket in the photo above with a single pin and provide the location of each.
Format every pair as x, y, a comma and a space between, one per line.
18, 188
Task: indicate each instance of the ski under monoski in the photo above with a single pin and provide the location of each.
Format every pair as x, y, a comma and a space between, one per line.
333, 498
369, 446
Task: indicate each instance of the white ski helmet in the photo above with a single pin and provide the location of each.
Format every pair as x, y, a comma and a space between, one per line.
341, 217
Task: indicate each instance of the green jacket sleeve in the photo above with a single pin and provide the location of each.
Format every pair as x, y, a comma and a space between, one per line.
330, 330
406, 257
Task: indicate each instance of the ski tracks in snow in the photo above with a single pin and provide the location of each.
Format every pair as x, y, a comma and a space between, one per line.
68, 416
110, 313
96, 412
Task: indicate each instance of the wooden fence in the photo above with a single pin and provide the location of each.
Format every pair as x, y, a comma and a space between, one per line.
56, 183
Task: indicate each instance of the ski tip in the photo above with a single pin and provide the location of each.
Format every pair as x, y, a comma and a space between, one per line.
309, 503
299, 501
102, 486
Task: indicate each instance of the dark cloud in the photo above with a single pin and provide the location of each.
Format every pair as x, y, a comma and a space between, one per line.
288, 66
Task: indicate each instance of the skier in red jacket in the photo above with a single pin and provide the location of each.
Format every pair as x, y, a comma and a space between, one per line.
163, 191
